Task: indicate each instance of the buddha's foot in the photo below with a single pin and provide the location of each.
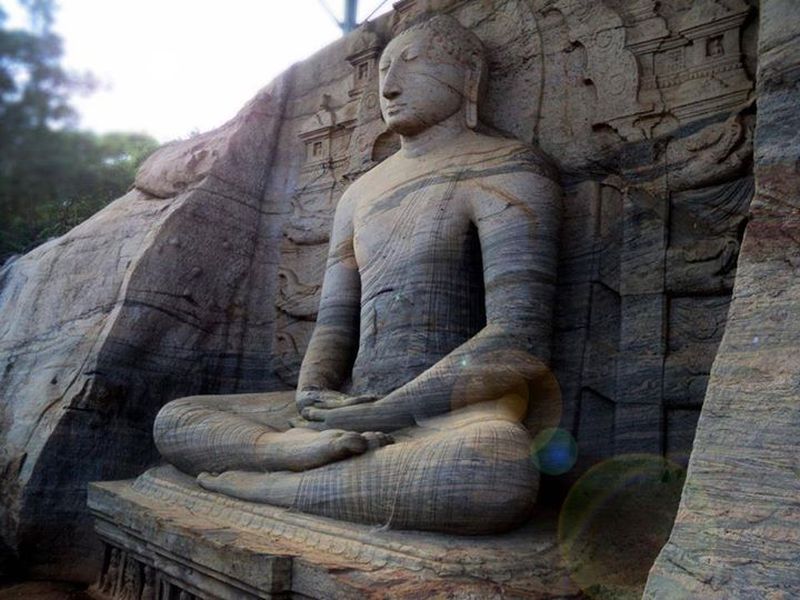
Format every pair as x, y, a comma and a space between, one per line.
377, 439
279, 488
304, 449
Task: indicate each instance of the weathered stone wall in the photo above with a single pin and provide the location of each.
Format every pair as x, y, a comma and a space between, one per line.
736, 535
206, 277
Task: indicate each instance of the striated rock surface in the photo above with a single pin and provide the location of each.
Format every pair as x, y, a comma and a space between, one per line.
158, 295
206, 278
736, 534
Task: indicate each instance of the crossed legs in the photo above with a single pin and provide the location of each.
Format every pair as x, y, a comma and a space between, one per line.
249, 432
465, 475
473, 479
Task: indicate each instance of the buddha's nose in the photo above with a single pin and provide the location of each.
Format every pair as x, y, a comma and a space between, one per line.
390, 88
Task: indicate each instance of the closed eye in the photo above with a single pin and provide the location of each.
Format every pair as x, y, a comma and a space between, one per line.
410, 53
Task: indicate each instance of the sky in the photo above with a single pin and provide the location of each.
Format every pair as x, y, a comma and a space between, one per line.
171, 68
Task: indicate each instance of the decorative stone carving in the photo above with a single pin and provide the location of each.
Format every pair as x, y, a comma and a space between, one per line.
365, 48
327, 136
245, 550
109, 577
646, 75
610, 66
131, 580
134, 576
298, 287
639, 246
705, 231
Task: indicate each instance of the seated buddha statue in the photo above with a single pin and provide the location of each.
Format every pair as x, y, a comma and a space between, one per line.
433, 329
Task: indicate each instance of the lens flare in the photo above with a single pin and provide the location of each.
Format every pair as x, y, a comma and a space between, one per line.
554, 451
513, 383
615, 520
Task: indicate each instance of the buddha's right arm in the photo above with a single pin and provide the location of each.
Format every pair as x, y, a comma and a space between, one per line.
334, 342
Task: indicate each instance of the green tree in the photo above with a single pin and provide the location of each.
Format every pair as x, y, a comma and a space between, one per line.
52, 176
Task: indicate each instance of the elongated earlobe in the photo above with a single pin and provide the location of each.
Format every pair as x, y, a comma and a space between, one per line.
472, 93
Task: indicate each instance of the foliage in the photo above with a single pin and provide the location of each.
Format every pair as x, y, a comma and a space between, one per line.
57, 178
52, 176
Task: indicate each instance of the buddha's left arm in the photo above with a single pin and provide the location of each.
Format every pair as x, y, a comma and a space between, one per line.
518, 217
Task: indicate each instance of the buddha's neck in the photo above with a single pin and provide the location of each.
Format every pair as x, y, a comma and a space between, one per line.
434, 137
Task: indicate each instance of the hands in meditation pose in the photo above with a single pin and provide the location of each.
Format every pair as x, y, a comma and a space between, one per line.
434, 322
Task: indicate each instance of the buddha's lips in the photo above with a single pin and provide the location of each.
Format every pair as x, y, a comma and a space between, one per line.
394, 109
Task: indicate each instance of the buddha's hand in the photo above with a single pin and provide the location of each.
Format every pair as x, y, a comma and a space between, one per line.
367, 416
328, 399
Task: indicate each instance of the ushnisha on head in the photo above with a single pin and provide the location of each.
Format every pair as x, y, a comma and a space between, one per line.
430, 73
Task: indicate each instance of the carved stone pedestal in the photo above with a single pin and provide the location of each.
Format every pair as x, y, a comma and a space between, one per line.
168, 539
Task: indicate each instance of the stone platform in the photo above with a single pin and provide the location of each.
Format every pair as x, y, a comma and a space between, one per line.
168, 539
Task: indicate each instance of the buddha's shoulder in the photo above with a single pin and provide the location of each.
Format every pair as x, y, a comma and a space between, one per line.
366, 182
493, 153
473, 155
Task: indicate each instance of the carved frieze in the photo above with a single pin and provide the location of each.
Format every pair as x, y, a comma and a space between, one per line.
649, 74
299, 280
611, 67
648, 260
365, 48
127, 575
339, 145
133, 570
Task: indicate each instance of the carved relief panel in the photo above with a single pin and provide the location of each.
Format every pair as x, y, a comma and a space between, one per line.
128, 576
135, 570
338, 145
647, 268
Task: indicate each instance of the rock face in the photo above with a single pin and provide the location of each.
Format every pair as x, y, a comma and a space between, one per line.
157, 295
206, 277
736, 534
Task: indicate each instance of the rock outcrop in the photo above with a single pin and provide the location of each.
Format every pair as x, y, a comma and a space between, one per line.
159, 295
736, 533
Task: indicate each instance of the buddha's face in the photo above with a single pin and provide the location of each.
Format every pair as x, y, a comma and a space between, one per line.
420, 84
